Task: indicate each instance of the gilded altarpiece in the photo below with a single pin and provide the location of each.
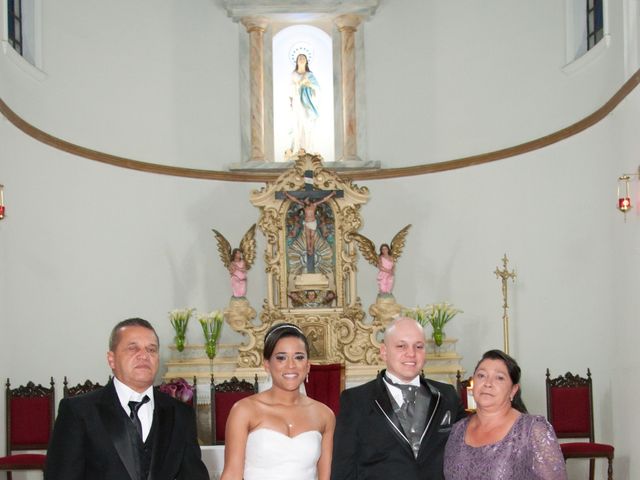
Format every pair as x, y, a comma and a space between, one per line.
307, 216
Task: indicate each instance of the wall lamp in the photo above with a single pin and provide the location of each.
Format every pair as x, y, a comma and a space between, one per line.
624, 192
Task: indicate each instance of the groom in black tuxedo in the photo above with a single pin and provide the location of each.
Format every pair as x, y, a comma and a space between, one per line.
127, 430
397, 425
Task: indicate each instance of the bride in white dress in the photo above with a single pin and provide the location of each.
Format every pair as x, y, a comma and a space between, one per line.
280, 434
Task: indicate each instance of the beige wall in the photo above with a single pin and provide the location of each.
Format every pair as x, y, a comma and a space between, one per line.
85, 245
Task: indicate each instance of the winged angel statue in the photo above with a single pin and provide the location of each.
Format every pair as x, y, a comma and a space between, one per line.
386, 260
239, 260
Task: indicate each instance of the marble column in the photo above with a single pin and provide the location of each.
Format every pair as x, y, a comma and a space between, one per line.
255, 27
347, 25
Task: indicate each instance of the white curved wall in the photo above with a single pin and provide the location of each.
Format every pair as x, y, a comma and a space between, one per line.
158, 82
85, 245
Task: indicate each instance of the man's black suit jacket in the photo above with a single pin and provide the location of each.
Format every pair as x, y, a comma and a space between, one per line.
369, 442
90, 440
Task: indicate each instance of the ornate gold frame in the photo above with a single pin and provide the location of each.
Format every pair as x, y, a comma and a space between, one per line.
337, 333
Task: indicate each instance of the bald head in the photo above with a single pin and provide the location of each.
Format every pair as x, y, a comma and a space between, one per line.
403, 324
403, 349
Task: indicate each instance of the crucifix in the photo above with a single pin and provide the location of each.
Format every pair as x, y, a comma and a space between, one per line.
309, 199
505, 275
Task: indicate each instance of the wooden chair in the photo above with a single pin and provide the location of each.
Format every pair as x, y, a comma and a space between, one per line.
570, 412
30, 413
461, 388
325, 383
223, 396
79, 389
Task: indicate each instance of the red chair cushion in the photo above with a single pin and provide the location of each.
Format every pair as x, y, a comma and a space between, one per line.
571, 411
224, 402
324, 385
25, 461
30, 421
586, 449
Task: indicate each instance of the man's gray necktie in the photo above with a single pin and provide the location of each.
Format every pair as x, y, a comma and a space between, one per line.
134, 407
408, 406
407, 412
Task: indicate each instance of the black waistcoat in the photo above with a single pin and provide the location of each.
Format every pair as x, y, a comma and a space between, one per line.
143, 450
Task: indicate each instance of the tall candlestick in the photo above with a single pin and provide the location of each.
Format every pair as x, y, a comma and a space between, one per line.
471, 402
505, 275
1, 202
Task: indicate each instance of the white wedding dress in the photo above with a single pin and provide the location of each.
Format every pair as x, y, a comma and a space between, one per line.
272, 455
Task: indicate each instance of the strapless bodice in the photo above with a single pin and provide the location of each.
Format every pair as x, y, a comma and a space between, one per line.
271, 455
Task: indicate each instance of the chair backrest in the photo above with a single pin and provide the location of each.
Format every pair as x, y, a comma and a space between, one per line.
180, 389
325, 383
79, 389
30, 411
461, 387
570, 405
223, 396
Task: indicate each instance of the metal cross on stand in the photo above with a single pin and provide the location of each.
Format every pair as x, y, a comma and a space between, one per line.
505, 275
309, 199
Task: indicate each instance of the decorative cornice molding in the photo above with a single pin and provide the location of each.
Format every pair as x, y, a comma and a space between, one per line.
292, 9
354, 174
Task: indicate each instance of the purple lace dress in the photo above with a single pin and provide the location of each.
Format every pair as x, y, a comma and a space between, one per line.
530, 451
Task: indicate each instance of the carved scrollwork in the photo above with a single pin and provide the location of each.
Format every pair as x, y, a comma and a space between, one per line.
80, 388
569, 380
269, 225
31, 390
336, 329
236, 385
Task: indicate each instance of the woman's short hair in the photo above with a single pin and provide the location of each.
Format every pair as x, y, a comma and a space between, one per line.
514, 373
282, 330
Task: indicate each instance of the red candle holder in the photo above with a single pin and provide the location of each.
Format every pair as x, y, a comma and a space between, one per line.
1, 212
624, 204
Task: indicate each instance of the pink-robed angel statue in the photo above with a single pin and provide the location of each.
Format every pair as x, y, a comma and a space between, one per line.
386, 269
238, 271
239, 260
386, 260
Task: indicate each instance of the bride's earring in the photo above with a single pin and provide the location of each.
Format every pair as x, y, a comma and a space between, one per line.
307, 378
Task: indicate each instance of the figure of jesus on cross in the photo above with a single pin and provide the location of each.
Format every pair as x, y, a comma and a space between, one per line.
309, 199
310, 222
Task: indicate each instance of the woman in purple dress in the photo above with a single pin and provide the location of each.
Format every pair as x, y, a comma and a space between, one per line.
501, 441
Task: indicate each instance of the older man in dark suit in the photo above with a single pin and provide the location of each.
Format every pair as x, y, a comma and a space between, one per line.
127, 430
397, 425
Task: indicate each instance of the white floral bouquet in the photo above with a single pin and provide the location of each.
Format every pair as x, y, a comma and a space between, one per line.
436, 314
179, 321
211, 327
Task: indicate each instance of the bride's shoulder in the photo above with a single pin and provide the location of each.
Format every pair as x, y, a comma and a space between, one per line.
247, 405
323, 412
248, 411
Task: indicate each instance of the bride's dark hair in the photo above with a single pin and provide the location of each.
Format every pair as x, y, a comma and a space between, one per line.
282, 330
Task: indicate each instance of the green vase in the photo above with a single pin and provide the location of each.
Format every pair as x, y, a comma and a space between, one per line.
438, 336
210, 350
180, 341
